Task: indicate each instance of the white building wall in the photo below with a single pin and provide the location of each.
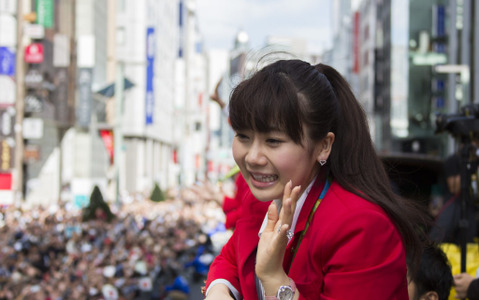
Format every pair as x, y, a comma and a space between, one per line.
146, 143
100, 12
86, 163
191, 85
367, 35
342, 39
44, 188
217, 68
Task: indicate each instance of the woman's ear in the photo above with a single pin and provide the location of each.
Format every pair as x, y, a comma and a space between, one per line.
323, 148
431, 295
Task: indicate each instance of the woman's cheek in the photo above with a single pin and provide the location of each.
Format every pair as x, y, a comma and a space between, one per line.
236, 152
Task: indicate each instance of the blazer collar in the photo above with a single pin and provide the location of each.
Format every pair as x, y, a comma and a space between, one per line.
308, 205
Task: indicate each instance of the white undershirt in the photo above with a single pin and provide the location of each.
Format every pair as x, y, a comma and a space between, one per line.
299, 206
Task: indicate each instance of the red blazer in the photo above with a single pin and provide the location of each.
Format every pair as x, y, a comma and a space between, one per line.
232, 207
352, 250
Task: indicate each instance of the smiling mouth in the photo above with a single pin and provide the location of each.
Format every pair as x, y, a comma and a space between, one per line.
265, 178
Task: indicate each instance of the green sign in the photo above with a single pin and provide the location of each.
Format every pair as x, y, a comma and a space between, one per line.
44, 9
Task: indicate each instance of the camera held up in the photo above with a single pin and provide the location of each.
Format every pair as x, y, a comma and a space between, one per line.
464, 125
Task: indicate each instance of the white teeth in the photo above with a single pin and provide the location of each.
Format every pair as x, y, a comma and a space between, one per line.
265, 178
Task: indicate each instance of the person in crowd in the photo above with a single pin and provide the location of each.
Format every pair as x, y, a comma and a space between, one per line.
217, 98
447, 223
335, 229
466, 286
433, 279
232, 206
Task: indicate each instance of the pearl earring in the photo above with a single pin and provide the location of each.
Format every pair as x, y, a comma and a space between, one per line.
322, 162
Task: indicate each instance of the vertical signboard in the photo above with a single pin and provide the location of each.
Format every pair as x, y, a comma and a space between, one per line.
7, 144
7, 62
63, 111
8, 6
7, 122
181, 26
84, 104
8, 27
34, 53
107, 137
7, 141
7, 91
7, 82
44, 10
150, 64
6, 156
356, 50
439, 28
61, 50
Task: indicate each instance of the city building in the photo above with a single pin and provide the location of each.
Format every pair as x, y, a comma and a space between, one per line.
115, 93
146, 48
432, 35
191, 129
414, 65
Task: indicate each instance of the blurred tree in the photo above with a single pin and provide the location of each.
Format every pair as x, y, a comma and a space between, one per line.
97, 208
157, 194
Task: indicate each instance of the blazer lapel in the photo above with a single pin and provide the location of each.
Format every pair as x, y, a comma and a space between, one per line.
309, 203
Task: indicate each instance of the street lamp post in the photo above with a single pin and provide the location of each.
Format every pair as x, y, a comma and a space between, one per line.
20, 108
117, 133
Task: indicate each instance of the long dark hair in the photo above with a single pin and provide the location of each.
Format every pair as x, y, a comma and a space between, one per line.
290, 94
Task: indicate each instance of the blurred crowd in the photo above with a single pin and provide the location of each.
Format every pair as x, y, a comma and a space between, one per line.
149, 251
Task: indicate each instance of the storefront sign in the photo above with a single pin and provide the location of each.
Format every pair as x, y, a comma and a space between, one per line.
7, 62
7, 88
34, 53
6, 156
44, 9
107, 137
34, 31
150, 59
85, 97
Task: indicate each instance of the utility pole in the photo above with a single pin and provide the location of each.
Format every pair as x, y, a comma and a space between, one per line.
117, 133
20, 109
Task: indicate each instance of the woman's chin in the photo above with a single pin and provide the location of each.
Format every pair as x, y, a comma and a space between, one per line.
265, 196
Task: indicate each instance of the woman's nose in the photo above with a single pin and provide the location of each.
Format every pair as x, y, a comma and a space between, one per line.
255, 155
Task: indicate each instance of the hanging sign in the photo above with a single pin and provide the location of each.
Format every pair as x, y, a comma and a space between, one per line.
34, 53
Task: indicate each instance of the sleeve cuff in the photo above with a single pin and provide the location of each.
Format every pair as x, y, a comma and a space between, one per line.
232, 289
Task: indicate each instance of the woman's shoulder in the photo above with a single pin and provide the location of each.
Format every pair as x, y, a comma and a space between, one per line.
342, 212
343, 208
339, 197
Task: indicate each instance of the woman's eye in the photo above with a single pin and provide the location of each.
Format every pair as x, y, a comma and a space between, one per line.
241, 136
273, 141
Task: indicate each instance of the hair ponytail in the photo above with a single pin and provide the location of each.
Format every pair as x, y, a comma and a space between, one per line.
357, 167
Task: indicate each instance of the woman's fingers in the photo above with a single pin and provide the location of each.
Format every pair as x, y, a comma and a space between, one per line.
286, 195
272, 217
290, 198
275, 237
279, 225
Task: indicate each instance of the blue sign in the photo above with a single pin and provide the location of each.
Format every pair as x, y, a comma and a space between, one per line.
85, 97
440, 102
7, 62
150, 65
441, 20
181, 25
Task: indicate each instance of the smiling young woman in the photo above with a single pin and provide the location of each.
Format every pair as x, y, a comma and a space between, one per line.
335, 229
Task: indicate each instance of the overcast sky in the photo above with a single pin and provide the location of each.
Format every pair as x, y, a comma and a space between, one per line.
221, 20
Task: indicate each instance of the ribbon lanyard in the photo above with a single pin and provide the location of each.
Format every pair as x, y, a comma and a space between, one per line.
310, 217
